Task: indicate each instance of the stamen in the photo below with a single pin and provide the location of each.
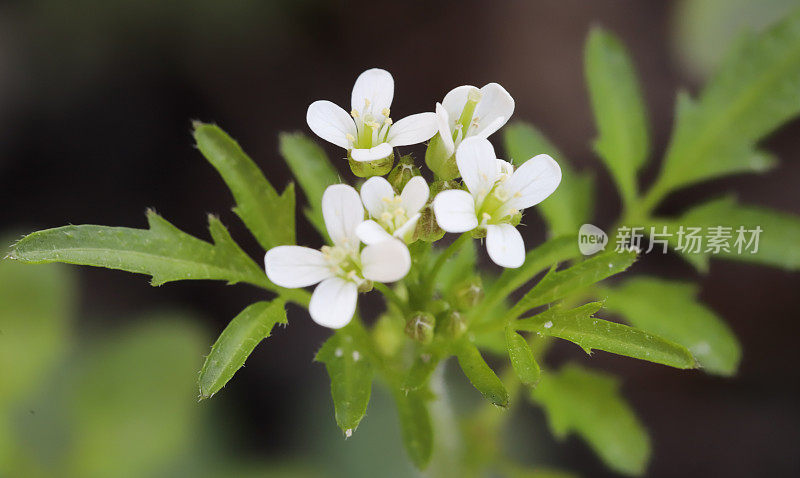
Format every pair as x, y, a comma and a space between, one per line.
354, 113
385, 112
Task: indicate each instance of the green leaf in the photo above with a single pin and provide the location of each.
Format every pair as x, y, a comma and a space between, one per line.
557, 285
162, 251
237, 342
129, 401
269, 216
580, 327
522, 360
420, 372
756, 90
37, 307
778, 242
458, 267
550, 253
589, 404
671, 310
572, 203
619, 111
415, 426
313, 170
480, 374
351, 372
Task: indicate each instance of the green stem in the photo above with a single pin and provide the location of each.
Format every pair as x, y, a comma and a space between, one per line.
395, 299
430, 281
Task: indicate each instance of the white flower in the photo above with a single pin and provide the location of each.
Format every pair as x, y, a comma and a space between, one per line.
468, 111
339, 269
392, 215
368, 132
496, 194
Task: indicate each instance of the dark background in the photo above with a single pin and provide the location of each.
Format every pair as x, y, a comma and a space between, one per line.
96, 99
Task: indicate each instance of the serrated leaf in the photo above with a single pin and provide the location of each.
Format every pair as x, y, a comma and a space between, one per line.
162, 251
268, 215
619, 112
589, 404
415, 427
237, 342
351, 372
480, 374
755, 91
580, 327
572, 203
550, 253
557, 285
522, 359
313, 170
778, 242
671, 310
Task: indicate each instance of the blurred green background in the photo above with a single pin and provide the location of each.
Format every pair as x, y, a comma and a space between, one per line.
97, 369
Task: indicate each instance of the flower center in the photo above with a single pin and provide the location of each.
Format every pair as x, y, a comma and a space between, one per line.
371, 127
343, 263
493, 208
394, 215
467, 119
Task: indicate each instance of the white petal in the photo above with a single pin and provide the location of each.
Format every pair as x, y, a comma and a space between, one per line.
455, 210
376, 152
330, 122
532, 182
505, 167
370, 232
477, 164
343, 212
333, 302
387, 261
455, 100
405, 231
415, 195
375, 192
495, 104
504, 245
413, 129
443, 123
295, 266
376, 86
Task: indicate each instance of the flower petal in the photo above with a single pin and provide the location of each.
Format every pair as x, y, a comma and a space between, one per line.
406, 231
505, 246
370, 232
455, 210
477, 164
495, 104
532, 182
333, 302
415, 195
374, 193
505, 167
455, 100
372, 154
386, 261
330, 122
443, 123
343, 212
295, 266
413, 129
376, 86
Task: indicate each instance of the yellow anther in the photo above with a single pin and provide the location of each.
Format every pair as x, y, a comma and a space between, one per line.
399, 212
366, 102
386, 216
387, 199
486, 216
350, 137
354, 113
385, 112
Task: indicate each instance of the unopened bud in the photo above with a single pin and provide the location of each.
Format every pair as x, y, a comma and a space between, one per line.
469, 293
428, 229
441, 161
516, 218
365, 286
420, 327
443, 185
367, 169
453, 325
479, 233
403, 172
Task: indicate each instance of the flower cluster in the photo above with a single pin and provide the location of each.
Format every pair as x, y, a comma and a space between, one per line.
386, 216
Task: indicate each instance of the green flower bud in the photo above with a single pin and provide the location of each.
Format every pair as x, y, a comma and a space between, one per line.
367, 169
516, 219
453, 325
428, 229
440, 161
478, 233
469, 293
439, 186
388, 335
420, 327
403, 172
365, 286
